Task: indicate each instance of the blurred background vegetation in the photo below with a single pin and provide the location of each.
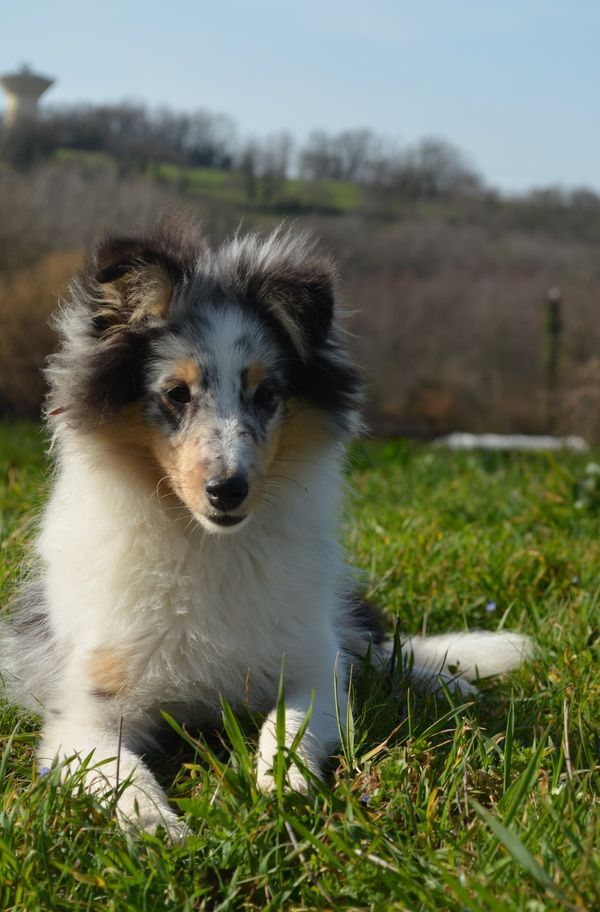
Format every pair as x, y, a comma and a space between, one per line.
449, 284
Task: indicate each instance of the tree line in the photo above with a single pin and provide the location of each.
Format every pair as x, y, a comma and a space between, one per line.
137, 138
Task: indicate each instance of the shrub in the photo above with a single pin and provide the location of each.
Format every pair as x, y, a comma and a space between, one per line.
26, 301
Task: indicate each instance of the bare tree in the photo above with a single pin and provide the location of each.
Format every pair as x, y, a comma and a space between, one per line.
353, 153
247, 164
275, 154
315, 163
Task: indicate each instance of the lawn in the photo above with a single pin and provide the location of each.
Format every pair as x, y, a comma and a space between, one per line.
432, 803
295, 194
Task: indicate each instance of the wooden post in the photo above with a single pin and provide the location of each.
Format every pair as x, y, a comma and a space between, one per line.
553, 327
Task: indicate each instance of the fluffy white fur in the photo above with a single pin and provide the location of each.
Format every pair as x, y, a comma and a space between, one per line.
195, 615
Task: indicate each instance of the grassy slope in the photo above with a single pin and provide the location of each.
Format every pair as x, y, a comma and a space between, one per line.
397, 827
228, 186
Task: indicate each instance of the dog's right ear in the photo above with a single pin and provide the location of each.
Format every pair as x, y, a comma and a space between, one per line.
137, 279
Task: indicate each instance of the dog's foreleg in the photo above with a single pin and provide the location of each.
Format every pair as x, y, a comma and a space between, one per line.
318, 690
85, 736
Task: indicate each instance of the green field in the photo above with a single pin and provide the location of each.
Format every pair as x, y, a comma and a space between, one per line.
432, 803
334, 196
221, 185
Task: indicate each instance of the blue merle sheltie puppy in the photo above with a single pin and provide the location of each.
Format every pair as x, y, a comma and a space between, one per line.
200, 405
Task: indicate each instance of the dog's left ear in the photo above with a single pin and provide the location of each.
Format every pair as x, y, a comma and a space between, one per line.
303, 297
137, 280
294, 284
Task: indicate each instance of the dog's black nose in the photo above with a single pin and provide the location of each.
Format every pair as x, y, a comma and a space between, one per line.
227, 493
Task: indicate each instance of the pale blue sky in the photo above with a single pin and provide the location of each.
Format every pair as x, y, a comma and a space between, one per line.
514, 83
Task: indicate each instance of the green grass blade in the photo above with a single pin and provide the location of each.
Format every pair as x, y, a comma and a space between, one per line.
517, 850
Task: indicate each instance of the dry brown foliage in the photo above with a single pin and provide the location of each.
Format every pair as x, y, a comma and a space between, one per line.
446, 303
581, 402
27, 299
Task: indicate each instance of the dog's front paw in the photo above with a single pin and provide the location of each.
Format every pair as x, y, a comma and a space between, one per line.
294, 778
139, 811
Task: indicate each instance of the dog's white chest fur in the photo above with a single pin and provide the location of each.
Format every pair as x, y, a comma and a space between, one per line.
192, 615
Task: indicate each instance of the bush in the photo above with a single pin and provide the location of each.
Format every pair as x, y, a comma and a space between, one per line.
26, 301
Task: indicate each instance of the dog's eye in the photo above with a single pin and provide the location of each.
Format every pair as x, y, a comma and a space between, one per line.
265, 397
180, 394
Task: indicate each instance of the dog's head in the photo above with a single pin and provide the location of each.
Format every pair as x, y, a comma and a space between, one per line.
208, 361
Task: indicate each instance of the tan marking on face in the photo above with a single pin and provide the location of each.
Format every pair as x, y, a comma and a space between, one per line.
265, 456
189, 473
108, 669
188, 464
304, 430
256, 374
175, 473
138, 451
177, 469
187, 370
128, 441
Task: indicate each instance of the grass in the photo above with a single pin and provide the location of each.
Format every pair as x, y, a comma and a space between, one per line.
431, 804
293, 195
334, 196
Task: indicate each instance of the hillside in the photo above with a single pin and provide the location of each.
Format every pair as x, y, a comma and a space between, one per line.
447, 296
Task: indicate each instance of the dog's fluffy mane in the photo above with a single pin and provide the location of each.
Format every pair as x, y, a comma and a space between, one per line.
117, 315
131, 608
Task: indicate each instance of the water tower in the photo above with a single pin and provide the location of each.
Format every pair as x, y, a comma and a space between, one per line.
23, 90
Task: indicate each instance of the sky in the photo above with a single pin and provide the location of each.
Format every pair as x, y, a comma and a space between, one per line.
514, 84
